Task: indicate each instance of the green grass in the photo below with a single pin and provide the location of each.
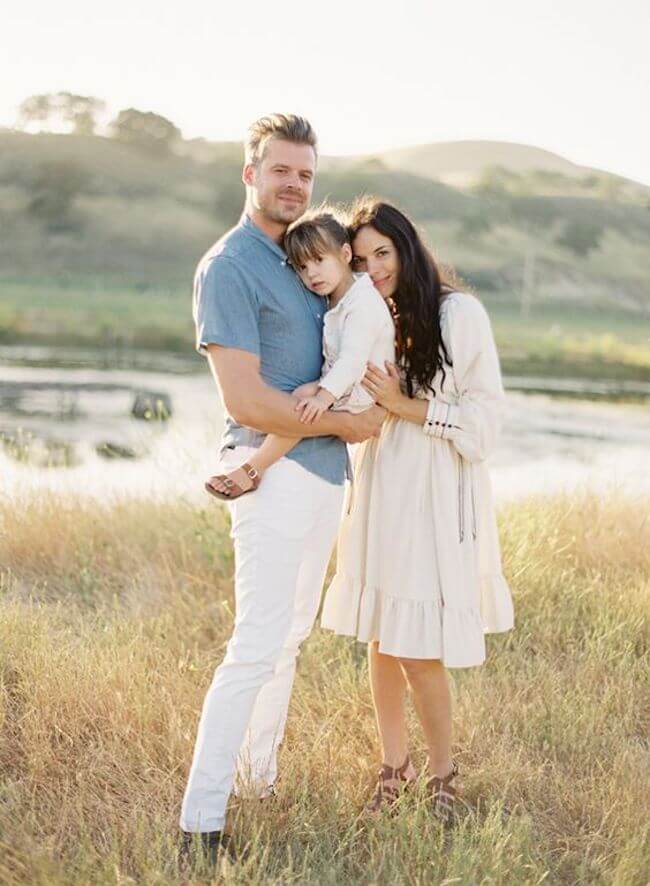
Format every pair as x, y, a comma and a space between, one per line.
95, 312
569, 341
555, 340
114, 616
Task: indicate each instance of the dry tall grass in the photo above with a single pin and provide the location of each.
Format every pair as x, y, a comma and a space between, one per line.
113, 618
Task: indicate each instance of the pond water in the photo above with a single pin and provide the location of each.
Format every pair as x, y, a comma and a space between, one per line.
72, 430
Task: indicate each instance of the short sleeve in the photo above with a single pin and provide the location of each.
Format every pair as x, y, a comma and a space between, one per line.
225, 307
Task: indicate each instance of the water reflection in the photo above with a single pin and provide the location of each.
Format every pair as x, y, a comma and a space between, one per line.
124, 432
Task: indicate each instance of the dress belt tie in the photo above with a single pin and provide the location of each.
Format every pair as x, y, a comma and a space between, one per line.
461, 498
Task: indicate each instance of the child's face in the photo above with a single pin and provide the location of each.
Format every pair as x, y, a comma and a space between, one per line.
323, 275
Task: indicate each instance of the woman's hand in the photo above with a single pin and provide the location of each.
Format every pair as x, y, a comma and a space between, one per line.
384, 387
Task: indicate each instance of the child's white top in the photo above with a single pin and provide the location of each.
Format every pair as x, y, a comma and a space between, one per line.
357, 331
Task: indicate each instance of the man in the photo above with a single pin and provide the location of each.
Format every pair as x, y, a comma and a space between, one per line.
261, 331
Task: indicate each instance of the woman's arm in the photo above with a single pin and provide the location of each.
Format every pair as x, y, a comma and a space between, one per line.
472, 420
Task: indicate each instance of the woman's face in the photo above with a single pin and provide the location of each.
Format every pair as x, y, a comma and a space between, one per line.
375, 254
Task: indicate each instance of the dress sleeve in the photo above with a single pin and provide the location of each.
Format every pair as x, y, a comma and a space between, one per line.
472, 418
361, 328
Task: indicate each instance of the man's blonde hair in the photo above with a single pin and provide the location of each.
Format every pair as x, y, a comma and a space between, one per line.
289, 127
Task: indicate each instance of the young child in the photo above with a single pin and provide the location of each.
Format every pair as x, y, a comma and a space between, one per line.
358, 328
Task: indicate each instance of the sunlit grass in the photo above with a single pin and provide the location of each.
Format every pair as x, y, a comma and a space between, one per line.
113, 618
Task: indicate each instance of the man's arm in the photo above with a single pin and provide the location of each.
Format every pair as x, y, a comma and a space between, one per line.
253, 403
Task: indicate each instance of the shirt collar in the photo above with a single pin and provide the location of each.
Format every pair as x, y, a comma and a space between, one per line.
353, 288
248, 225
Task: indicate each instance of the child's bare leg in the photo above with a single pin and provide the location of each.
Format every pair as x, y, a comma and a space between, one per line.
271, 450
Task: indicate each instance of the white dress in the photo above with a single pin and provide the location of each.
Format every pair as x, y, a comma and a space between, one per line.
418, 561
357, 331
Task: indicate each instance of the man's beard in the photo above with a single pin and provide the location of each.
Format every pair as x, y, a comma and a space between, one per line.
276, 211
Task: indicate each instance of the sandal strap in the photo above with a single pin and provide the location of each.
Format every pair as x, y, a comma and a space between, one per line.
230, 485
388, 788
443, 794
439, 783
234, 490
388, 773
252, 474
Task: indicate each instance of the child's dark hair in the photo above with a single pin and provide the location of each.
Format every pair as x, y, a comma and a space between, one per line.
315, 234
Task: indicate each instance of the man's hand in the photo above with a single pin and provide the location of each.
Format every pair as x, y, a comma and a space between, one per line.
364, 425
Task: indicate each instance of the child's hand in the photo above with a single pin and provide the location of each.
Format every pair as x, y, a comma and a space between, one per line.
313, 407
308, 390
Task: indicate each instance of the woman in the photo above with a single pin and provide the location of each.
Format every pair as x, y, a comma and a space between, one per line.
419, 572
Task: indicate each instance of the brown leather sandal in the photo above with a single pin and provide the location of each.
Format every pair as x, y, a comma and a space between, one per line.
444, 796
391, 784
233, 490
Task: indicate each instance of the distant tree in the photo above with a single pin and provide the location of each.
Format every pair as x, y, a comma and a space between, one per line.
83, 111
61, 110
581, 237
35, 109
144, 129
53, 191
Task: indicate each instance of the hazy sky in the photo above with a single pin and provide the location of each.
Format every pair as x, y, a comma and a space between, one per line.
572, 76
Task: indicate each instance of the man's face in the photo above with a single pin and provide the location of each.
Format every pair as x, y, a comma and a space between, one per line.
282, 181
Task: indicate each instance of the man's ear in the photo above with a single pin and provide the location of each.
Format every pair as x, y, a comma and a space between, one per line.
346, 251
248, 174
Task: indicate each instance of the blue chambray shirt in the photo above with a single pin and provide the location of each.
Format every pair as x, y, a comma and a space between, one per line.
246, 296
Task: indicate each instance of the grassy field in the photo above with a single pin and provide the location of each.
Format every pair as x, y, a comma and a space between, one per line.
554, 340
95, 313
113, 618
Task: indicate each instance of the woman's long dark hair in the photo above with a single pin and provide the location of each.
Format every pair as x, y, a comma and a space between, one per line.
420, 290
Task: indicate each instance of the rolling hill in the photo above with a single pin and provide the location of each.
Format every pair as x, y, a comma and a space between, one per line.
76, 208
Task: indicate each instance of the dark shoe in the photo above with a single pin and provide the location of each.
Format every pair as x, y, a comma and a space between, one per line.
391, 784
444, 797
205, 848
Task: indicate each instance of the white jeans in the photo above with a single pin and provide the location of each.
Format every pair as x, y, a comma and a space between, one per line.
283, 537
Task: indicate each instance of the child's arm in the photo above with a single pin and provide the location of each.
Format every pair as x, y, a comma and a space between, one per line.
360, 330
